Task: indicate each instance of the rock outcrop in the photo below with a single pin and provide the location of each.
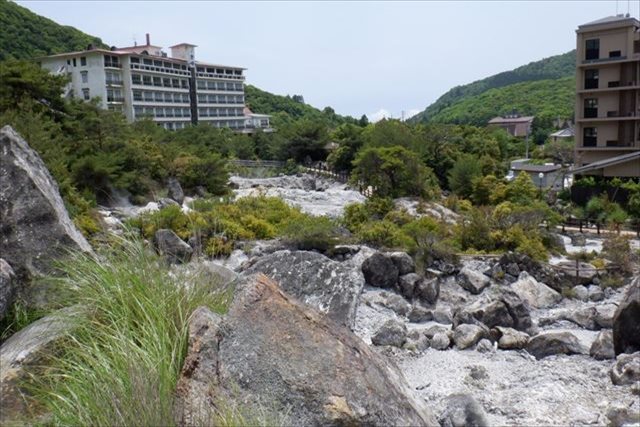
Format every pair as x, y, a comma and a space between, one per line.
626, 370
392, 332
7, 287
551, 342
271, 349
175, 192
380, 271
473, 281
331, 287
626, 322
24, 350
537, 294
35, 228
462, 410
602, 347
171, 247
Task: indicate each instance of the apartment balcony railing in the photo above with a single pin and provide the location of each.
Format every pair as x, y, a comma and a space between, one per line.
115, 99
114, 82
113, 65
590, 113
598, 60
589, 141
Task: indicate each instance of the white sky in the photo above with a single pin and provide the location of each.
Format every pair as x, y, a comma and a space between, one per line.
358, 57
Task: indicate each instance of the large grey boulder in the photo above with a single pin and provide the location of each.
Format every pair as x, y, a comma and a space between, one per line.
272, 351
585, 271
407, 284
35, 228
493, 313
392, 332
537, 294
462, 410
552, 342
540, 271
380, 271
465, 335
175, 192
626, 370
510, 339
8, 287
519, 310
403, 262
602, 347
171, 247
24, 350
473, 281
428, 290
331, 287
626, 322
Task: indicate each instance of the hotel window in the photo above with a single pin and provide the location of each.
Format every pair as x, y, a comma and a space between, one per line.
83, 61
590, 108
135, 60
85, 94
136, 79
137, 95
84, 75
590, 138
591, 79
146, 80
592, 49
74, 62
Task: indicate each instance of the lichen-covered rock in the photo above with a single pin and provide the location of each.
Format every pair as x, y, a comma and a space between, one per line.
8, 287
392, 332
24, 350
473, 281
552, 342
419, 314
269, 349
175, 192
396, 303
537, 294
462, 410
626, 370
171, 247
440, 341
602, 347
407, 284
511, 339
466, 335
332, 287
428, 290
403, 262
380, 271
35, 228
626, 322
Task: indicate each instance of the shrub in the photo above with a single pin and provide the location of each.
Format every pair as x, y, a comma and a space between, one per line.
311, 232
617, 249
384, 234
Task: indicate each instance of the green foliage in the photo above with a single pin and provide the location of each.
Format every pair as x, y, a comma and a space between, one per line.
312, 233
208, 171
394, 172
554, 67
522, 190
26, 35
546, 99
287, 109
617, 249
384, 234
120, 363
461, 176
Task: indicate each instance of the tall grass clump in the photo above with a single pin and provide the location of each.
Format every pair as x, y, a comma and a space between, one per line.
120, 363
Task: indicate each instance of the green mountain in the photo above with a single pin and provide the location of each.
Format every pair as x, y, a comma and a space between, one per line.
25, 35
546, 99
459, 99
290, 108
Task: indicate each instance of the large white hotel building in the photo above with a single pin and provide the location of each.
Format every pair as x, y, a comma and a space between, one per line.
144, 82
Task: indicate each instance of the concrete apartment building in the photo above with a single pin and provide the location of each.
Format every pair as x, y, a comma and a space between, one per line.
607, 128
174, 91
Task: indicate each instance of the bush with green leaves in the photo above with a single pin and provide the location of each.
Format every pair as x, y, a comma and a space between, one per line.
393, 172
312, 233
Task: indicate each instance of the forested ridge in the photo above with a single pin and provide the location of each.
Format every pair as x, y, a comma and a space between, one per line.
552, 71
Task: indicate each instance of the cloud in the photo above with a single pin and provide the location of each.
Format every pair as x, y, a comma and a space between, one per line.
412, 112
379, 115
386, 114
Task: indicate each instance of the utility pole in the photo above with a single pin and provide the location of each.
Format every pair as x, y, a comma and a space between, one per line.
193, 95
